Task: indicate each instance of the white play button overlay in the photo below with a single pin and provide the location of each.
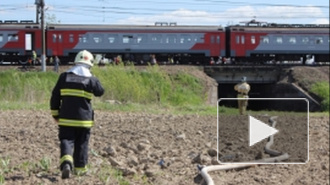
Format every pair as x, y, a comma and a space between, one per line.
259, 130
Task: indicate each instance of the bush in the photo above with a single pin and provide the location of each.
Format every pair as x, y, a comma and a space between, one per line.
322, 89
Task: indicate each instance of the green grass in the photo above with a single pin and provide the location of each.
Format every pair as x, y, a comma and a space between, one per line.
150, 86
21, 89
136, 90
322, 89
148, 90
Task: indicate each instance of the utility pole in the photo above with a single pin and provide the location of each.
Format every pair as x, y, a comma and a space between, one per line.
40, 9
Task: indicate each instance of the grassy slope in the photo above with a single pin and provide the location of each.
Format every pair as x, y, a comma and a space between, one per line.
314, 80
150, 89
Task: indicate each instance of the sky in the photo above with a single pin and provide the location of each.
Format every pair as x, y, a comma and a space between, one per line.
181, 12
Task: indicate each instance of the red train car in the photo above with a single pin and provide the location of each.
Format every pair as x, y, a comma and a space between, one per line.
18, 40
189, 44
256, 42
251, 43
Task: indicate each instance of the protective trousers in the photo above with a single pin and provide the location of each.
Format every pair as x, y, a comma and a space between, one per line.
74, 147
242, 104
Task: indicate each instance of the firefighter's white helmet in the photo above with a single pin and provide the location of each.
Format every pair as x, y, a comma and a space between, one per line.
243, 79
84, 57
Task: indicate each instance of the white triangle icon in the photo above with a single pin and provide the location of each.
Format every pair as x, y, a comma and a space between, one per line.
259, 130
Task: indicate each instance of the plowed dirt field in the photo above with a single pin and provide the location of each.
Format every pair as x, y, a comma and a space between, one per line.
135, 144
159, 149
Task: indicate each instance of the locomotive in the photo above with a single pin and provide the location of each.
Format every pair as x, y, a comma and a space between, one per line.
251, 43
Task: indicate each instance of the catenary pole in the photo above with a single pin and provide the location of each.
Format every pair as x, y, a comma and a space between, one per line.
43, 52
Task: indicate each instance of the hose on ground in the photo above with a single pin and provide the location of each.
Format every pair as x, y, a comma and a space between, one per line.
279, 157
271, 140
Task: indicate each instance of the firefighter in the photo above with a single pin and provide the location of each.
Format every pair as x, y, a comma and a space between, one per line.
71, 108
243, 89
34, 57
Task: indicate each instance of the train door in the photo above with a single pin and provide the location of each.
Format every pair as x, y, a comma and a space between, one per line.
57, 39
29, 42
240, 42
215, 49
237, 44
28, 47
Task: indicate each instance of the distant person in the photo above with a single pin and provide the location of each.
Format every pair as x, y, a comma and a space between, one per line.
212, 61
243, 89
118, 60
56, 64
34, 57
71, 108
51, 60
153, 60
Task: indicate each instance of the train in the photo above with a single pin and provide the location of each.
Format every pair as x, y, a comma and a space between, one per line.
251, 42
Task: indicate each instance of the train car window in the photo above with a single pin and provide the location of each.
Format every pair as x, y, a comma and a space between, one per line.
126, 39
242, 39
292, 40
97, 38
60, 39
83, 39
181, 40
54, 38
12, 37
185, 39
305, 40
170, 39
195, 38
200, 39
264, 39
237, 39
319, 40
1, 38
253, 39
156, 38
218, 39
112, 38
212, 39
279, 40
71, 38
140, 39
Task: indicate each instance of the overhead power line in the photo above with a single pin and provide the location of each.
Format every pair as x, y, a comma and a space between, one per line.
212, 9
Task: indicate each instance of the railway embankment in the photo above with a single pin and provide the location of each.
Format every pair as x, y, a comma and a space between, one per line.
313, 84
310, 82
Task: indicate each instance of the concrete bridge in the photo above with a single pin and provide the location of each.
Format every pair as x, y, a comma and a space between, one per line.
254, 74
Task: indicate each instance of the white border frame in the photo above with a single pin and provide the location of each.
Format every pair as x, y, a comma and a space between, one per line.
262, 99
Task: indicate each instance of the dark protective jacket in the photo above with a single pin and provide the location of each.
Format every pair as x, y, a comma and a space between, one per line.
70, 102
